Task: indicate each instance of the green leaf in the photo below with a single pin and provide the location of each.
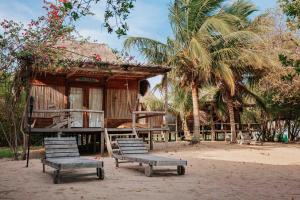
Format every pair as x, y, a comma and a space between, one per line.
68, 6
75, 15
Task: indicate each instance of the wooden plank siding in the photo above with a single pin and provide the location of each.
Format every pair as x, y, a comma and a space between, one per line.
46, 96
119, 97
120, 102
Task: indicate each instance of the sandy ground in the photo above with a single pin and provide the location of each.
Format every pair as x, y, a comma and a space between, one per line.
215, 171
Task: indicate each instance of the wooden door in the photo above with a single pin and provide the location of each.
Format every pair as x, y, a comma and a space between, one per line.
95, 103
76, 102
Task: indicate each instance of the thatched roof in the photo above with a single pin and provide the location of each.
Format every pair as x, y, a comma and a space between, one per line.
81, 57
82, 50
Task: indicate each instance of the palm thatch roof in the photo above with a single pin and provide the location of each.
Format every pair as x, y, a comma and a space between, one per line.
86, 51
99, 60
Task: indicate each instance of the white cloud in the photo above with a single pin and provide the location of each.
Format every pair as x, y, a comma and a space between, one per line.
96, 35
17, 11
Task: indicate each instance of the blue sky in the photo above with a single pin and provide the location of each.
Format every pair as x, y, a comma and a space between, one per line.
148, 19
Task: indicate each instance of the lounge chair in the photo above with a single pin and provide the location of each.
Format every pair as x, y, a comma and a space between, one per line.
62, 153
134, 150
244, 138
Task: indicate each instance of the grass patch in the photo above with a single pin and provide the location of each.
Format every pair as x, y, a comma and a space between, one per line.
5, 152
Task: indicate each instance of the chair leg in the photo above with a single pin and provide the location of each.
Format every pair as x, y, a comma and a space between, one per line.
43, 168
100, 173
140, 164
117, 162
180, 170
149, 170
56, 177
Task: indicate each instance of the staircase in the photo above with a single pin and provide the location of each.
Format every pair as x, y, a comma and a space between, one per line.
117, 133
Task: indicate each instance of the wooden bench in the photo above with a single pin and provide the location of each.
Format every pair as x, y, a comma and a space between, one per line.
134, 150
62, 153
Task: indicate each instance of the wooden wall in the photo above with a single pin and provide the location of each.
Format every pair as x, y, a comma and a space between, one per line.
120, 103
120, 100
120, 96
48, 95
48, 91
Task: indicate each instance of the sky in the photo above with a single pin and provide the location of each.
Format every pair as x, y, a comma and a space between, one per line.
149, 18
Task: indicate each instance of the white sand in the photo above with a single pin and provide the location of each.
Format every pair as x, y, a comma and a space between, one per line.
215, 171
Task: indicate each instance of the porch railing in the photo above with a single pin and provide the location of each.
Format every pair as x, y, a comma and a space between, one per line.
146, 114
64, 116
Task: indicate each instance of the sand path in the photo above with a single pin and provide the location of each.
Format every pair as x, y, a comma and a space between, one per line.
215, 171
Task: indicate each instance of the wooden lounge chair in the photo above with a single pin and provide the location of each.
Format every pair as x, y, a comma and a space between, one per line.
134, 150
244, 138
62, 153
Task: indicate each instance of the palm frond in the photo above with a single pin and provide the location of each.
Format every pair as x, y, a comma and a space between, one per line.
199, 53
241, 8
220, 106
215, 25
155, 51
199, 10
248, 93
224, 73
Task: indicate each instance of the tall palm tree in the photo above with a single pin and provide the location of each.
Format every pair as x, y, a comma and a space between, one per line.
203, 41
249, 65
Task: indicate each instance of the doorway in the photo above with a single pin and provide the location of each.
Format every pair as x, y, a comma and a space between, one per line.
86, 99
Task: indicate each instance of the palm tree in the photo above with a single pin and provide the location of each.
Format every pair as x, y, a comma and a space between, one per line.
249, 65
180, 103
204, 38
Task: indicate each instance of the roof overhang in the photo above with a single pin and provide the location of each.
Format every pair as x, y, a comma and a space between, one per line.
110, 70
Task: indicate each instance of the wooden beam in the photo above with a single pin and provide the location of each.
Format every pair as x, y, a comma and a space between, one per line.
71, 74
148, 116
149, 112
67, 130
68, 110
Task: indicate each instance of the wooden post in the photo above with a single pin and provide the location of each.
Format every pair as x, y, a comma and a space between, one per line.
213, 132
101, 143
212, 124
86, 140
151, 140
94, 142
222, 128
133, 120
165, 89
176, 129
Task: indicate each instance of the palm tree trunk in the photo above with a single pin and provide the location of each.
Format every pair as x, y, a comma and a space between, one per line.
212, 125
185, 127
196, 131
231, 118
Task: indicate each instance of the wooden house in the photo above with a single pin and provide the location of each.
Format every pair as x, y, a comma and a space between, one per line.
92, 98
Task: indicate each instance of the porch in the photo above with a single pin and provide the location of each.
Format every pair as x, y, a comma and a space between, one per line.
96, 138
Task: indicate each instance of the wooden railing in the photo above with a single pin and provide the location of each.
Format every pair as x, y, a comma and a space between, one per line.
225, 127
66, 114
146, 114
